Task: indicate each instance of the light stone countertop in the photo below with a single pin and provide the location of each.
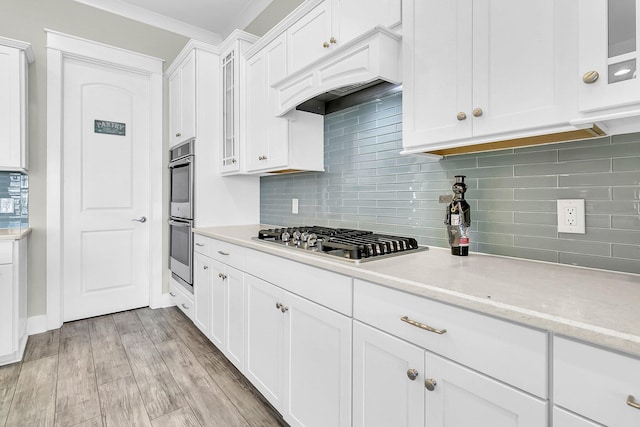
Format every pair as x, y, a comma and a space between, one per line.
597, 306
14, 233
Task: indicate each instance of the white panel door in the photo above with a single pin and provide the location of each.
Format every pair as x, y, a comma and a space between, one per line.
264, 339
106, 189
318, 362
383, 393
462, 397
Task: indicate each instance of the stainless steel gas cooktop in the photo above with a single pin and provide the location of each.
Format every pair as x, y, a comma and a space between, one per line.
354, 245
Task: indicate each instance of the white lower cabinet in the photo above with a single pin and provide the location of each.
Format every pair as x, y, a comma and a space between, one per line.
13, 304
597, 384
182, 298
400, 384
298, 356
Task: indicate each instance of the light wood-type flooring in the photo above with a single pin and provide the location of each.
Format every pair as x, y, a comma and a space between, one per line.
136, 368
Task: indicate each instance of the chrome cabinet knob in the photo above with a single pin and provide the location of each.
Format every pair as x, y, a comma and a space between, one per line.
205, 267
284, 308
461, 116
325, 45
430, 384
178, 135
412, 374
333, 40
590, 77
477, 112
262, 157
222, 276
279, 305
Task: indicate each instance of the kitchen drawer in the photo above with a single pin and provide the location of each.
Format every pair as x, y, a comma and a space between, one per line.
512, 353
321, 286
181, 298
224, 252
6, 252
596, 383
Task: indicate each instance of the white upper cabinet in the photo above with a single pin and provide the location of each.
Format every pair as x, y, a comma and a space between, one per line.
14, 59
182, 101
485, 70
333, 23
274, 144
608, 53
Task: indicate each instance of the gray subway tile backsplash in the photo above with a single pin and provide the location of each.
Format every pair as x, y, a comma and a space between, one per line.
513, 192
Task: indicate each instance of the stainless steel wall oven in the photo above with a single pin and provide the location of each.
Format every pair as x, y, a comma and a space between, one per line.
181, 206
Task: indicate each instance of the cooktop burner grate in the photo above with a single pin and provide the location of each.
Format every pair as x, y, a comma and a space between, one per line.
357, 245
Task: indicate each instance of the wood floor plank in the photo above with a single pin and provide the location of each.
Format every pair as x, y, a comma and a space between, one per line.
109, 357
127, 322
157, 327
121, 404
34, 398
159, 390
236, 388
42, 345
77, 391
9, 375
6, 396
183, 417
93, 422
207, 400
71, 329
188, 333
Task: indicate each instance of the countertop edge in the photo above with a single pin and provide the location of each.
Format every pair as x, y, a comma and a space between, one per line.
14, 233
617, 340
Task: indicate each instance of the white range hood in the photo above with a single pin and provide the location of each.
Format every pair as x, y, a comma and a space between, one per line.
372, 57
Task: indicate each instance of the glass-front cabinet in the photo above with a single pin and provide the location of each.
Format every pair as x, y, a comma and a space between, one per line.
608, 53
230, 161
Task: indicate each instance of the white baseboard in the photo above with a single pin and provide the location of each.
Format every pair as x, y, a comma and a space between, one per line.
36, 324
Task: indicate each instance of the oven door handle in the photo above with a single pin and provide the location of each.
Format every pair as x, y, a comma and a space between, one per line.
181, 162
179, 223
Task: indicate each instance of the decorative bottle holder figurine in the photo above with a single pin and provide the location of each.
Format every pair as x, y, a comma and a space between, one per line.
458, 219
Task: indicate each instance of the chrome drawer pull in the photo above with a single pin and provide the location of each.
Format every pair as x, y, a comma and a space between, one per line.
223, 253
422, 326
172, 294
631, 401
186, 307
199, 244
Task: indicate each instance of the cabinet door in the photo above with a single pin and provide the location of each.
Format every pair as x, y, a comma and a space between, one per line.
218, 304
437, 54
175, 108
309, 38
608, 45
354, 17
318, 362
267, 135
7, 324
230, 141
519, 64
234, 309
462, 397
11, 110
264, 339
202, 289
188, 89
383, 393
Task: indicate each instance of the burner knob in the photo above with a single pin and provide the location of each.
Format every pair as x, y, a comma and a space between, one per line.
285, 236
305, 236
296, 236
312, 240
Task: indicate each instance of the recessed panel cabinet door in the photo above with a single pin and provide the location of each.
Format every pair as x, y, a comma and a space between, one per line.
318, 362
202, 293
384, 393
309, 38
11, 108
437, 54
264, 349
463, 397
234, 309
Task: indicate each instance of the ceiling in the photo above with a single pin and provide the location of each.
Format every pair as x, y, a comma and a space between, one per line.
206, 20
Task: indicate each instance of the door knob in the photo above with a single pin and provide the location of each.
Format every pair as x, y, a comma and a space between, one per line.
430, 384
412, 374
141, 219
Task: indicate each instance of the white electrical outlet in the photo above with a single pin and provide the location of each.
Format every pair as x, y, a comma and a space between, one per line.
294, 206
571, 216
